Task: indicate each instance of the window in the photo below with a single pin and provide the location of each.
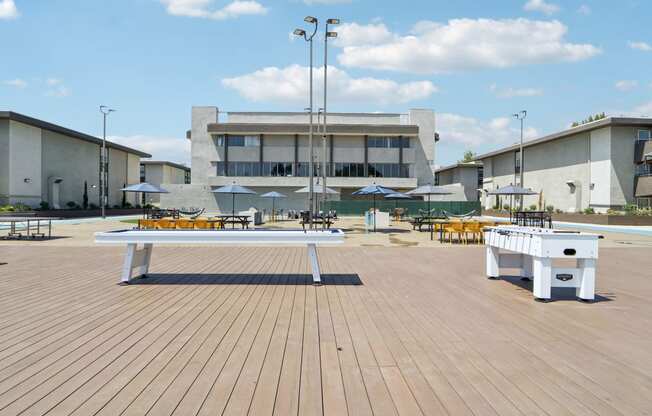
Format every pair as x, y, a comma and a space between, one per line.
643, 135
388, 170
644, 170
219, 140
517, 161
243, 141
388, 142
480, 176
142, 173
186, 177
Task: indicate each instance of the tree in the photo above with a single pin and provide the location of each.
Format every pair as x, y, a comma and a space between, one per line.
124, 196
589, 119
469, 156
85, 197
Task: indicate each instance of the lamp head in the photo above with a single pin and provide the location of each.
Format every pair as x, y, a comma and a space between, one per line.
333, 21
299, 32
310, 19
331, 34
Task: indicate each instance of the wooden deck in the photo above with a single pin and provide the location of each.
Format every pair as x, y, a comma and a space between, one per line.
395, 331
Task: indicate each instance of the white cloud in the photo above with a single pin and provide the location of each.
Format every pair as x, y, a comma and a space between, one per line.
510, 92
17, 83
541, 6
641, 46
56, 88
626, 85
203, 9
174, 149
470, 131
53, 81
8, 9
460, 44
290, 84
584, 9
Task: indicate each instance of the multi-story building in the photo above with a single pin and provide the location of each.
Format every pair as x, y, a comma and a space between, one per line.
463, 179
157, 172
597, 165
44, 162
269, 151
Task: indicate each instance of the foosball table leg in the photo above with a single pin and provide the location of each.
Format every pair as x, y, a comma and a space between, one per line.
526, 267
542, 270
493, 262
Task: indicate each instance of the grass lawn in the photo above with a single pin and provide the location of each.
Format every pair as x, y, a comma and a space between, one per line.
130, 221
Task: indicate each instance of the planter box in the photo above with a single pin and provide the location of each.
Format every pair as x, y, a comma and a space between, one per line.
592, 218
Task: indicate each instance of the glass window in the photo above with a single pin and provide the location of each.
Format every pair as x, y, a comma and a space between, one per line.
643, 135
219, 140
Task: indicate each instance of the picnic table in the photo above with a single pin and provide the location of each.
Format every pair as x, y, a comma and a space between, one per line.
424, 220
34, 227
317, 220
532, 219
243, 220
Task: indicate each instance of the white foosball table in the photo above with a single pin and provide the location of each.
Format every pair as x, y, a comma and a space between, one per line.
533, 251
140, 243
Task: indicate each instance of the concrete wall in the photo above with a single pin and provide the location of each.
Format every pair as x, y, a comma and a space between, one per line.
464, 178
424, 148
622, 165
4, 162
162, 175
298, 118
24, 164
203, 149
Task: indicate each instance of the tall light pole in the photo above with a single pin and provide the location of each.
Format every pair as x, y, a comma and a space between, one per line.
521, 117
311, 167
324, 169
104, 174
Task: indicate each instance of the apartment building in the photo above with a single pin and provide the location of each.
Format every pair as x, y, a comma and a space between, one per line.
157, 172
269, 151
598, 165
463, 179
44, 162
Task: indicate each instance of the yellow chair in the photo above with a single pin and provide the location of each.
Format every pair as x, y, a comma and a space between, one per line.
165, 224
454, 227
146, 224
185, 224
473, 228
203, 224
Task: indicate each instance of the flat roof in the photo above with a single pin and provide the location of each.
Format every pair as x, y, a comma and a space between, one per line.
459, 165
304, 128
606, 122
21, 118
297, 113
164, 162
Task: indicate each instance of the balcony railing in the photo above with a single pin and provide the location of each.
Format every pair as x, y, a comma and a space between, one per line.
643, 147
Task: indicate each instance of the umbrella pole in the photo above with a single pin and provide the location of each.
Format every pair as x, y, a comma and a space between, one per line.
374, 212
233, 210
273, 218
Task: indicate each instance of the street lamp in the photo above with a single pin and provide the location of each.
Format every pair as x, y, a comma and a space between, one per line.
303, 33
327, 34
521, 117
104, 174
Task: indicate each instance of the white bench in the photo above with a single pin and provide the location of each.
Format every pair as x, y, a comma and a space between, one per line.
533, 251
140, 257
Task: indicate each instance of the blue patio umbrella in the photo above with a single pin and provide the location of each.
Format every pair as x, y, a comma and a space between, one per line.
429, 190
144, 188
233, 189
273, 195
374, 190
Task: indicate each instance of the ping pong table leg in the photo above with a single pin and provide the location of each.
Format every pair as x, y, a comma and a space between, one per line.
128, 265
541, 287
493, 261
526, 267
147, 257
314, 264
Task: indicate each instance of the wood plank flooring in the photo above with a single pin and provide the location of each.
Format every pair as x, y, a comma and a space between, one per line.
241, 330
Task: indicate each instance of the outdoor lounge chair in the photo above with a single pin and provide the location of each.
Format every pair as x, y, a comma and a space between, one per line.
474, 229
455, 227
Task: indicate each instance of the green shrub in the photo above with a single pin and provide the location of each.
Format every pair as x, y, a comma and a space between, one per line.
44, 205
589, 211
71, 204
558, 211
533, 207
92, 206
630, 209
550, 209
506, 207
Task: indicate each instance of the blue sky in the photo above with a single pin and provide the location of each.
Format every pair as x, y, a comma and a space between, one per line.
474, 63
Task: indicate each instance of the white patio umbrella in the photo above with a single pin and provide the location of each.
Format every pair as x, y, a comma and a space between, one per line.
428, 190
144, 188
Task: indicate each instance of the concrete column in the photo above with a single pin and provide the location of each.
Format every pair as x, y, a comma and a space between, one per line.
366, 156
400, 155
260, 157
226, 155
296, 155
329, 172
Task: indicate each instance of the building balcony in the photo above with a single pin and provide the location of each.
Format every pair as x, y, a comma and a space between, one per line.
643, 186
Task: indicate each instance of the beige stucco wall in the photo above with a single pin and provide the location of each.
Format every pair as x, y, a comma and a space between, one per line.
38, 155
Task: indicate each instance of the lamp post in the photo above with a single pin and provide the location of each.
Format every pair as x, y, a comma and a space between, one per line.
104, 174
324, 169
311, 167
521, 117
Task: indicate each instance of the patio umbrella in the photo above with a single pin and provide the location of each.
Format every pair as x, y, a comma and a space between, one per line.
374, 190
144, 188
233, 189
317, 188
512, 190
429, 190
273, 195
